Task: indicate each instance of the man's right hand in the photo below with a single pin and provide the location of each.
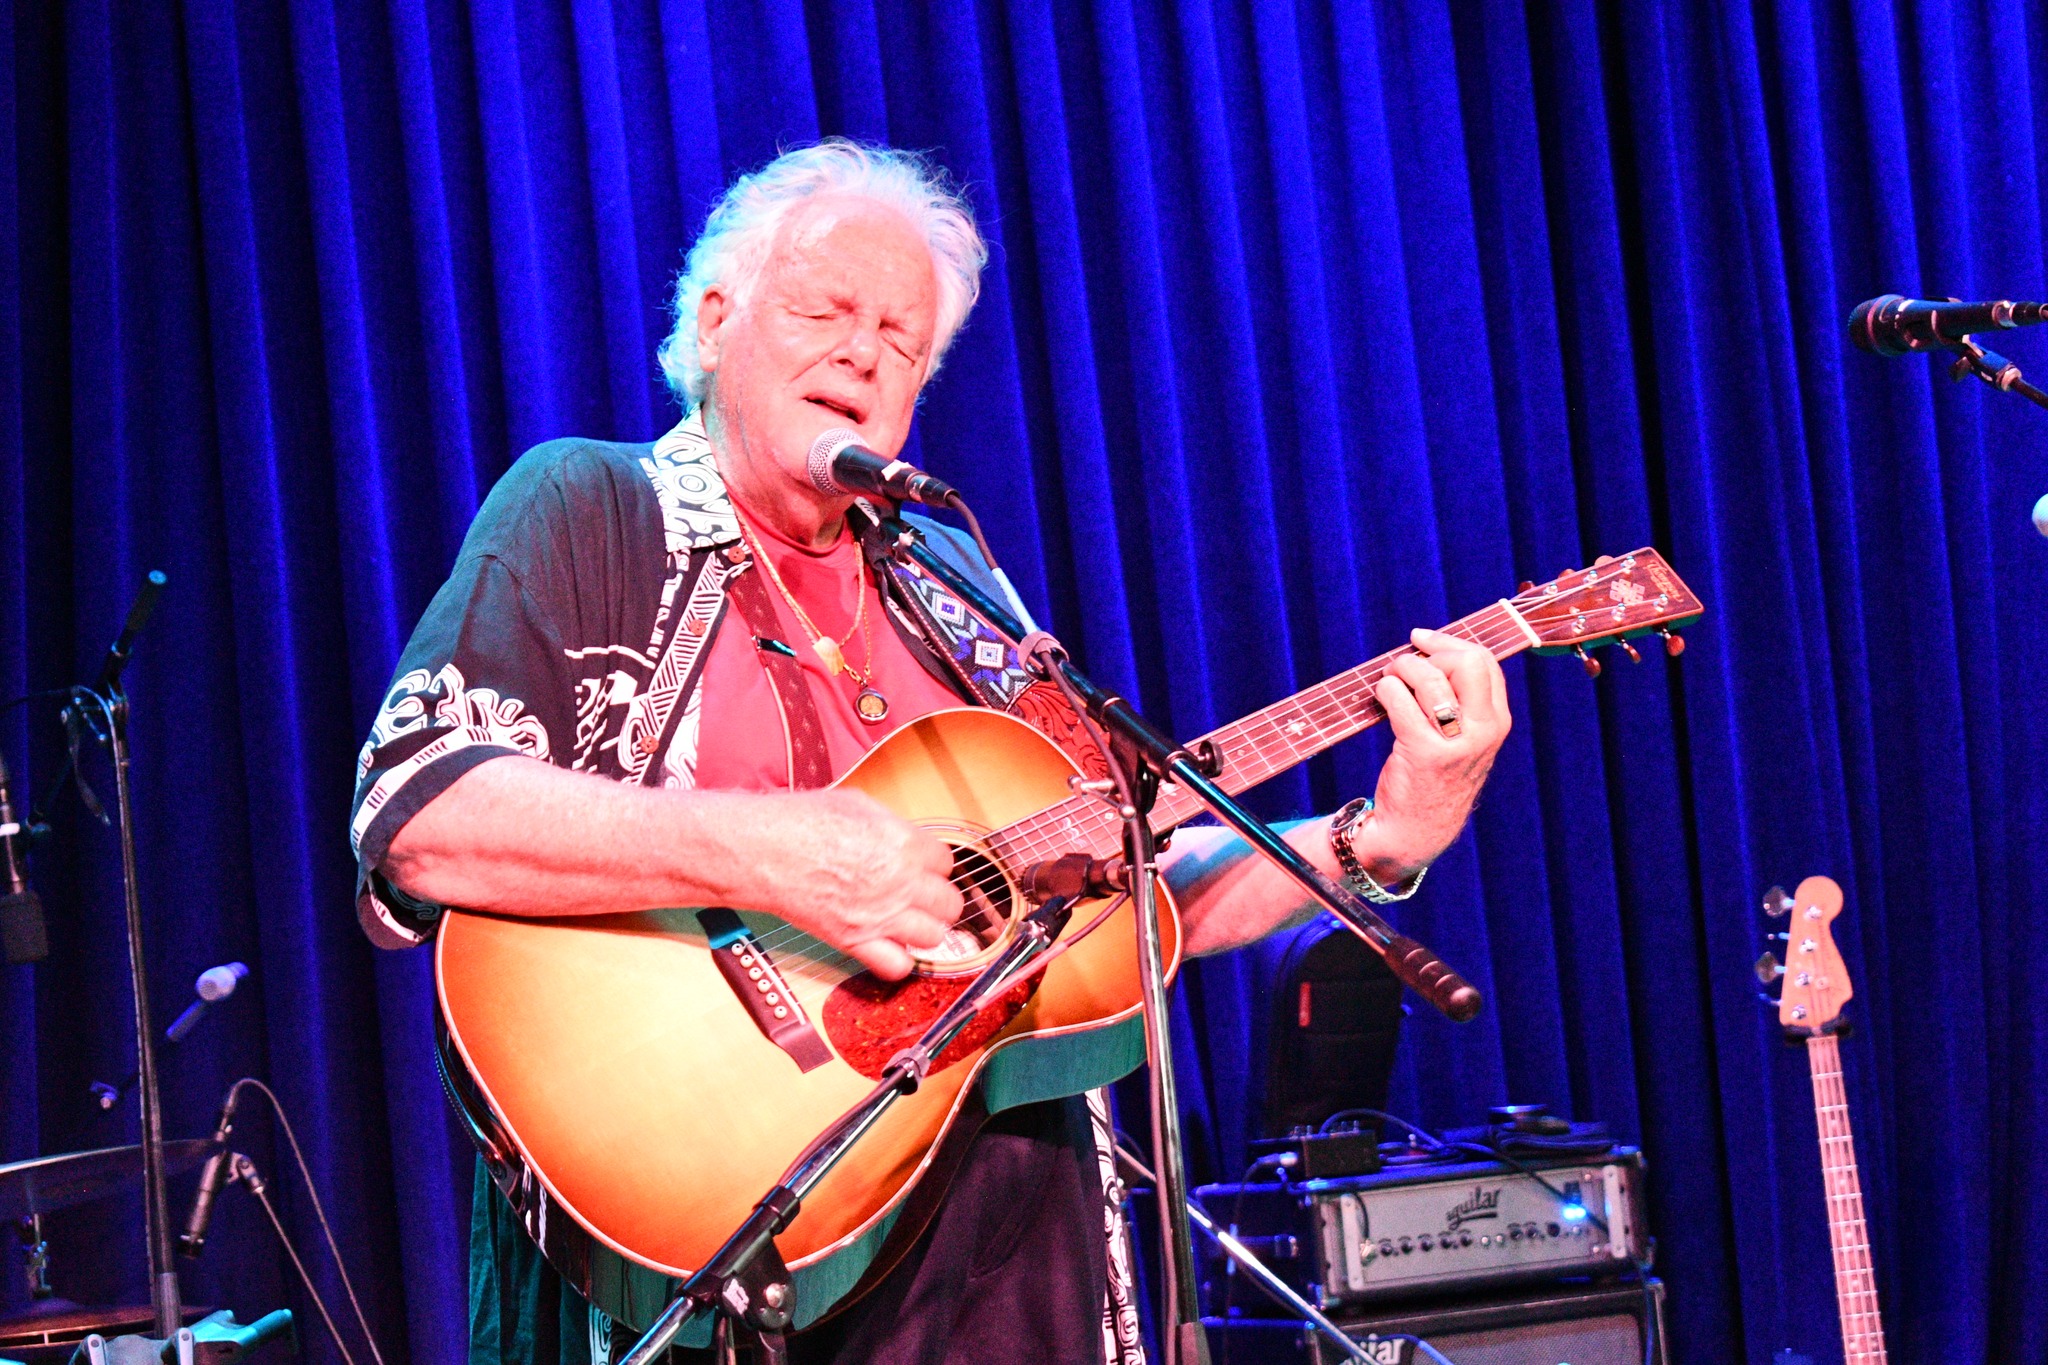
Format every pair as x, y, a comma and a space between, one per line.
859, 877
516, 836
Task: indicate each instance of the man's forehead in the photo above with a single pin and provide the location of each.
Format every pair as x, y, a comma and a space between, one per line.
805, 236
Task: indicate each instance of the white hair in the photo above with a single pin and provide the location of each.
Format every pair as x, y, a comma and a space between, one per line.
741, 229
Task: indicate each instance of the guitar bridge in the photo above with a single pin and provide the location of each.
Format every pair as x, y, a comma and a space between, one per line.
754, 978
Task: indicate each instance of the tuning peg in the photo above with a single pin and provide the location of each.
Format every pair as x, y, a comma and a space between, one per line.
1524, 587
1674, 645
1603, 561
1769, 969
1777, 903
1587, 661
1630, 650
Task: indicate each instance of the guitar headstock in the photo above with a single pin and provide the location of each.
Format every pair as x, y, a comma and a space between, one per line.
1816, 983
1616, 599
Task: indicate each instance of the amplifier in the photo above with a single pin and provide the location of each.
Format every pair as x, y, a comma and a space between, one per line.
1609, 1324
1433, 1228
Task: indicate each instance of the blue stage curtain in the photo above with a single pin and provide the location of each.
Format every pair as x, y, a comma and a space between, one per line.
1306, 324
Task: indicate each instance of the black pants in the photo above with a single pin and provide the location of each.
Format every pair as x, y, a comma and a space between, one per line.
1011, 1271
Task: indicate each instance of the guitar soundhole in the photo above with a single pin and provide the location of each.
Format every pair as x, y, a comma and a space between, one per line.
984, 923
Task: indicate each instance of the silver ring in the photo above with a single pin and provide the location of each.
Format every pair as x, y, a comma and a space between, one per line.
1450, 721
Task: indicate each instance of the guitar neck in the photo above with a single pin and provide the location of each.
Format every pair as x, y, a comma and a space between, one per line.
1267, 742
1855, 1281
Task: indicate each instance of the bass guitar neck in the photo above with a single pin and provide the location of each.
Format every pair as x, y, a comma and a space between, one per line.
1855, 1281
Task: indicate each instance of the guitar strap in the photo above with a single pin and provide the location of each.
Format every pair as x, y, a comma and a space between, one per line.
985, 661
810, 766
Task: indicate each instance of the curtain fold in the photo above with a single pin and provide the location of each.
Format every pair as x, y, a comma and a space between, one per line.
1305, 324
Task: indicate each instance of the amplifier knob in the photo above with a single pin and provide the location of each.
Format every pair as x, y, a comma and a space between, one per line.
1514, 1234
1425, 1242
1555, 1230
1386, 1246
1464, 1239
1407, 1245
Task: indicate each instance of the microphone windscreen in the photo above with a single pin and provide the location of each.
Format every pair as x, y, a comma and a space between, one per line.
218, 983
823, 451
2041, 515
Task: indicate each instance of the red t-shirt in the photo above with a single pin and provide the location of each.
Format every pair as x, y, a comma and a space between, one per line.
741, 745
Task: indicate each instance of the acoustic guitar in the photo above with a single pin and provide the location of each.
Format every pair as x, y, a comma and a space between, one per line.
1816, 986
650, 1075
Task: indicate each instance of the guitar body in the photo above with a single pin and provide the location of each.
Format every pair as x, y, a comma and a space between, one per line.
646, 1101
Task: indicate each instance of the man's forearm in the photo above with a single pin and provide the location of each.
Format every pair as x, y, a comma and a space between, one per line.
1230, 895
516, 836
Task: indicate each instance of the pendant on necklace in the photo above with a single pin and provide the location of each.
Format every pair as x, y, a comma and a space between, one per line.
871, 706
827, 649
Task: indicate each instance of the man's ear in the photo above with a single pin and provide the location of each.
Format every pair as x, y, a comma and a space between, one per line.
714, 310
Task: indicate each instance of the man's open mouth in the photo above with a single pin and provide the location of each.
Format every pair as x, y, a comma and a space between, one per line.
839, 407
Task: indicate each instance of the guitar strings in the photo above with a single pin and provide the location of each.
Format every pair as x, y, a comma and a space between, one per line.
1325, 707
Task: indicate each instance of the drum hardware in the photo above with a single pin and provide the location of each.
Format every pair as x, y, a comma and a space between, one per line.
54, 1328
101, 710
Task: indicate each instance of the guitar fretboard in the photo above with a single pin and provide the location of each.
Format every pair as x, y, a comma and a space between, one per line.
1855, 1281
1267, 742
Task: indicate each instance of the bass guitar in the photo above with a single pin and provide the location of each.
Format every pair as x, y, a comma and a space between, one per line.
637, 1080
1816, 986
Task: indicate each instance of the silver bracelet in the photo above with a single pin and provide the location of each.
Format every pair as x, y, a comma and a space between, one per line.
1355, 875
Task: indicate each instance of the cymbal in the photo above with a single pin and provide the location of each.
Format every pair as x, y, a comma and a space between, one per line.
50, 1330
57, 1182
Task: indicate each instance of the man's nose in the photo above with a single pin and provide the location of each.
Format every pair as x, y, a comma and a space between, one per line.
861, 347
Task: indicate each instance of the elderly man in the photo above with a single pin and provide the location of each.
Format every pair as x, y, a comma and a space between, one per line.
566, 736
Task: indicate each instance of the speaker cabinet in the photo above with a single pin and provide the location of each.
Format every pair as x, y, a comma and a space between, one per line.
1575, 1325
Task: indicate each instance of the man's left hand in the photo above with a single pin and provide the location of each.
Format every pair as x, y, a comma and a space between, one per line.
1448, 708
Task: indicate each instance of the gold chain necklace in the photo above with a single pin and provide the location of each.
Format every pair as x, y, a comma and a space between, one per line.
869, 704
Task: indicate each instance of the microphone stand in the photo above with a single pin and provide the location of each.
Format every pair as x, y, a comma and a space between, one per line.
1140, 757
745, 1279
1991, 367
106, 697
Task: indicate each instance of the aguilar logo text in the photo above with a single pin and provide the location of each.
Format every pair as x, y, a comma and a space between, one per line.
1481, 1204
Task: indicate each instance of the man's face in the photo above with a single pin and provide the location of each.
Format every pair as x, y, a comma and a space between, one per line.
838, 333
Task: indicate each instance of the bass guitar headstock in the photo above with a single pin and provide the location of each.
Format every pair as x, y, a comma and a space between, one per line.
1814, 980
1619, 598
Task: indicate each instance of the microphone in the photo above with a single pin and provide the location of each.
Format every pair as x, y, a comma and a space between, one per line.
1074, 877
839, 463
214, 1175
23, 935
214, 984
1893, 325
